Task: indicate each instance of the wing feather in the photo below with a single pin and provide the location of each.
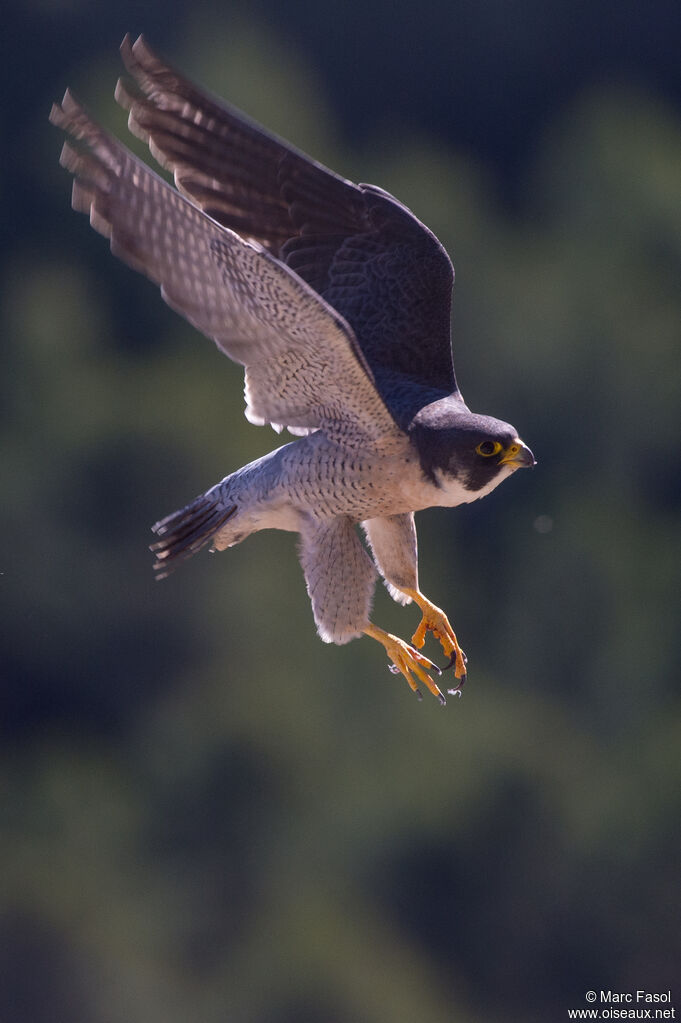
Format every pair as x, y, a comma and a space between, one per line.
304, 368
364, 252
209, 145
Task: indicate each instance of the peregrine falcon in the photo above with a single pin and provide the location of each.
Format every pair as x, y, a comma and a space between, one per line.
336, 300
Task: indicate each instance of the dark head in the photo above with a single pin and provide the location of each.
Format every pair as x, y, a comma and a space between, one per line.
474, 452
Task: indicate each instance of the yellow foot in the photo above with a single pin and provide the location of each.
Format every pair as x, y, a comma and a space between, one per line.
434, 620
406, 660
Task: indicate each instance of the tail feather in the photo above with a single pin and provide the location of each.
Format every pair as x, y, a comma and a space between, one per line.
188, 530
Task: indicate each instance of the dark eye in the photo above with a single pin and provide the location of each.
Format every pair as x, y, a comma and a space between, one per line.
487, 448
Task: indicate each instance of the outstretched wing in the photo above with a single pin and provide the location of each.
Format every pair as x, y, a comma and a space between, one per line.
359, 248
304, 368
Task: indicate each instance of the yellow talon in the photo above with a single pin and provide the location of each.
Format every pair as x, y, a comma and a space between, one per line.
434, 620
406, 661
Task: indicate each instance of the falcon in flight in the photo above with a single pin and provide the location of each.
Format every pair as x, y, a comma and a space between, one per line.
336, 300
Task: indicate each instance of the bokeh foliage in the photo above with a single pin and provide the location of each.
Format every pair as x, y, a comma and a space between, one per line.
209, 815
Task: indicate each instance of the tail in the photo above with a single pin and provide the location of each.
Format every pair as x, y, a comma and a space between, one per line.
186, 531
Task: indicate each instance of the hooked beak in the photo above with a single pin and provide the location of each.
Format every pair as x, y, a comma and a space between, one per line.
518, 456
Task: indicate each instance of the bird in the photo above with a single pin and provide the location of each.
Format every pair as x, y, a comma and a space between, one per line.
336, 300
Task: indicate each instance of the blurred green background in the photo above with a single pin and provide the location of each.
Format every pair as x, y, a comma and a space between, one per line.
209, 815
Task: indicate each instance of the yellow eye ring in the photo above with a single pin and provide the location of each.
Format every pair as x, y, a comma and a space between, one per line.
487, 448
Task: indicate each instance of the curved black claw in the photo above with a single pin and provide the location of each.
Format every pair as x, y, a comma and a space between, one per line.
452, 662
443, 702
423, 661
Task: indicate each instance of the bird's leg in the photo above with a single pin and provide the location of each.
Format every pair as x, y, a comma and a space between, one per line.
406, 660
434, 620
